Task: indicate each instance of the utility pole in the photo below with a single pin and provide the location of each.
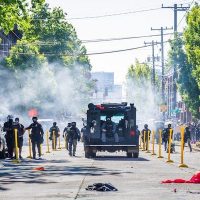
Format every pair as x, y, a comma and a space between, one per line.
153, 43
176, 8
162, 59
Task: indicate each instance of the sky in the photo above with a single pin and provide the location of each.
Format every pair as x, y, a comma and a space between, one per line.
133, 24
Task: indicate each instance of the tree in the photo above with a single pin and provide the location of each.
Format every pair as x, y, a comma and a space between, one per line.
13, 12
49, 64
187, 84
59, 41
23, 56
192, 41
140, 90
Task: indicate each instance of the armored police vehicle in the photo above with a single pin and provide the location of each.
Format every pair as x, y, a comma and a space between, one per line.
111, 127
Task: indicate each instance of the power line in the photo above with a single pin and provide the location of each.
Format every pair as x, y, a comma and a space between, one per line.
106, 15
114, 14
185, 13
93, 53
41, 43
123, 38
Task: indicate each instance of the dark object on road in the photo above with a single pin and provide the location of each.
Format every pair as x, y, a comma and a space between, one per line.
193, 192
111, 127
102, 187
175, 190
38, 168
195, 179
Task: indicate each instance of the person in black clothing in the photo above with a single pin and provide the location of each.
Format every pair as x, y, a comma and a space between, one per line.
109, 130
166, 136
187, 138
73, 137
10, 141
137, 131
65, 134
36, 136
20, 131
145, 134
54, 130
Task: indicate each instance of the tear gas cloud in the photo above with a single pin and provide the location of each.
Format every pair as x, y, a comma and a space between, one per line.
141, 94
52, 89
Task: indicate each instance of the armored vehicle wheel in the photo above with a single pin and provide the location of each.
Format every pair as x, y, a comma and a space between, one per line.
93, 155
129, 155
87, 152
87, 155
135, 155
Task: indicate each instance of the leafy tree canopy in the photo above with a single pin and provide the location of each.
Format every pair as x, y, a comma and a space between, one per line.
192, 41
13, 12
187, 84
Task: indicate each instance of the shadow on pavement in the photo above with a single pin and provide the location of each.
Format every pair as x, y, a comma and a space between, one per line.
24, 173
2, 188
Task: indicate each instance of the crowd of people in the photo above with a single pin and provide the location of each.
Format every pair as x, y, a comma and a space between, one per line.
71, 135
166, 134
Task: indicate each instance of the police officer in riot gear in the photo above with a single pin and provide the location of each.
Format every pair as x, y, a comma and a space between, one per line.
20, 133
10, 141
166, 135
73, 137
137, 131
36, 136
187, 138
109, 130
65, 134
54, 134
145, 135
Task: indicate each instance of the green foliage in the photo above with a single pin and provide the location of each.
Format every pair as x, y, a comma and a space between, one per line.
49, 35
192, 41
139, 72
13, 12
23, 56
47, 39
187, 84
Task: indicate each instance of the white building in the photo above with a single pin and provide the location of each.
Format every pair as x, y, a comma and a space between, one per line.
106, 90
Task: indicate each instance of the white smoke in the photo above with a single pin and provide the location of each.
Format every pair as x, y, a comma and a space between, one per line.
53, 89
142, 95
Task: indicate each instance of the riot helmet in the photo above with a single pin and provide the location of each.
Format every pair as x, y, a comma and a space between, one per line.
169, 125
34, 119
54, 124
146, 126
73, 124
10, 118
17, 120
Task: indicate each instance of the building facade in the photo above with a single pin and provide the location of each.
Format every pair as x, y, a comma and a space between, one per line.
8, 40
106, 90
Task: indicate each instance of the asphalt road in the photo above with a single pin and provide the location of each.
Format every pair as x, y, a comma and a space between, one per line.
67, 177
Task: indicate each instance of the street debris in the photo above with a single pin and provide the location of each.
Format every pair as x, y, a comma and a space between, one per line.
193, 192
39, 168
195, 179
175, 190
103, 187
